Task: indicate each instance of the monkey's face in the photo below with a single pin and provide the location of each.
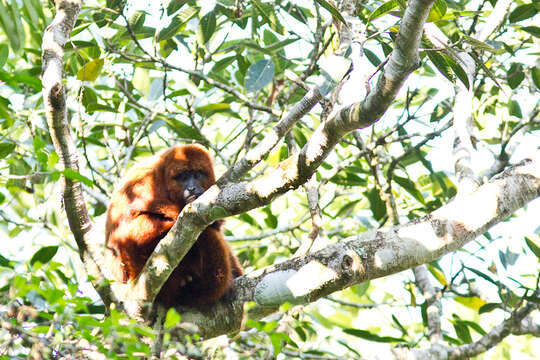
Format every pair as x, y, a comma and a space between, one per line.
187, 185
188, 173
192, 182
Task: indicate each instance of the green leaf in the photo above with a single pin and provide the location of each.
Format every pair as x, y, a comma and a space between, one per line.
91, 70
479, 45
399, 325
277, 340
6, 262
410, 187
376, 204
457, 14
259, 75
115, 4
52, 160
170, 30
269, 326
463, 333
441, 64
207, 27
16, 18
44, 255
177, 23
472, 302
183, 130
74, 175
364, 334
6, 149
90, 108
384, 9
245, 217
136, 21
172, 318
9, 27
30, 11
437, 272
348, 178
372, 58
28, 80
441, 7
299, 136
438, 11
473, 326
335, 13
535, 74
533, 246
174, 6
268, 17
346, 209
514, 109
301, 333
222, 64
89, 96
144, 331
277, 46
4, 53
210, 109
458, 70
533, 30
270, 220
362, 288
482, 275
38, 143
489, 307
522, 12
515, 75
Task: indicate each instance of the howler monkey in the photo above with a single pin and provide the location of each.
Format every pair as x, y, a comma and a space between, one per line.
144, 208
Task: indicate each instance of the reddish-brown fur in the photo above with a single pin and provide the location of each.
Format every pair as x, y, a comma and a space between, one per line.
145, 207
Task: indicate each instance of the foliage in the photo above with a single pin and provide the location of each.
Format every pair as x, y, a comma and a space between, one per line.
144, 77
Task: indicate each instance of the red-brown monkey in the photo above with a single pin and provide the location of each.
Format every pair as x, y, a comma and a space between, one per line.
144, 208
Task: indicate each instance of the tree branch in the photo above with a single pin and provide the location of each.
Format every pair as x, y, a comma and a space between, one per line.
493, 337
54, 98
463, 118
373, 254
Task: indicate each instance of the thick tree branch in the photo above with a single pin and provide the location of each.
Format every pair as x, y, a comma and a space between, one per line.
373, 254
54, 98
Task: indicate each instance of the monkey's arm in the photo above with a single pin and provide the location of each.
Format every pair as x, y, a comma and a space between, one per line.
135, 224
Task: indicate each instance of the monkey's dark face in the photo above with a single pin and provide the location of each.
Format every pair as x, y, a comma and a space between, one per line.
187, 173
193, 184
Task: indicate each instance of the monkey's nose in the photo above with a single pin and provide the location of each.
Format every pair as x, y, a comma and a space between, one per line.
191, 193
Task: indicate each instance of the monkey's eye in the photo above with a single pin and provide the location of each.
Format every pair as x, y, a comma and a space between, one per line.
182, 176
199, 175
192, 174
